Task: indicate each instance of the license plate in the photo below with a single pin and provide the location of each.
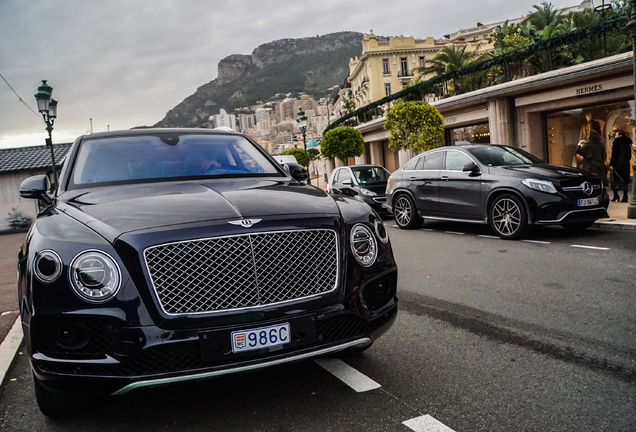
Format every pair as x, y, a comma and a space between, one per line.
588, 202
383, 205
264, 337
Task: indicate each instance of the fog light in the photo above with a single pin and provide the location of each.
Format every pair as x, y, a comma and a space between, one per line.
47, 266
72, 337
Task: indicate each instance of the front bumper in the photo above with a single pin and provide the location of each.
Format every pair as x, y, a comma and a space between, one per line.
180, 355
555, 209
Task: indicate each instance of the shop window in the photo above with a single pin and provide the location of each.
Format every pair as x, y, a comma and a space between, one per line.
566, 128
477, 134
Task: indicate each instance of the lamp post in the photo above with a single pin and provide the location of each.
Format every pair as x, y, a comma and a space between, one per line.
302, 125
631, 207
48, 108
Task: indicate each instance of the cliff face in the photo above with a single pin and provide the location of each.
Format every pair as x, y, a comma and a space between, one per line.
307, 65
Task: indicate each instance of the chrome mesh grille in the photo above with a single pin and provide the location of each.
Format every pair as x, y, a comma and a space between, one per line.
243, 271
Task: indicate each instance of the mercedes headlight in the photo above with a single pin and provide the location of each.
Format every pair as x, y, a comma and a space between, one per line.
367, 192
95, 276
540, 185
363, 245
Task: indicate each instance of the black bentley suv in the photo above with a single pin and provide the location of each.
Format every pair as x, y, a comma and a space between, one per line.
503, 186
173, 254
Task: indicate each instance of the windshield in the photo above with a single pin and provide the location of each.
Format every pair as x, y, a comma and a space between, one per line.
503, 156
370, 175
145, 157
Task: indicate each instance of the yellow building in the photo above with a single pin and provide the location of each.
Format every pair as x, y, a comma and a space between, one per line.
386, 67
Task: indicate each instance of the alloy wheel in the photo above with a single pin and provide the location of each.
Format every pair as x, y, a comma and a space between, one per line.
402, 211
506, 217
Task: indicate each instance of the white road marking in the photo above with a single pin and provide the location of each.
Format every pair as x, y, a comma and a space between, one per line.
488, 236
395, 226
427, 229
426, 423
9, 347
536, 241
348, 375
590, 247
454, 232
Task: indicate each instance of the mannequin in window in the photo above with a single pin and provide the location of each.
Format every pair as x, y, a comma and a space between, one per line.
589, 125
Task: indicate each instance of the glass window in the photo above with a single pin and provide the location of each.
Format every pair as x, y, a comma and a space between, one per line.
344, 175
404, 67
504, 156
385, 67
145, 157
387, 89
434, 161
422, 61
455, 160
420, 163
566, 128
411, 165
477, 134
371, 175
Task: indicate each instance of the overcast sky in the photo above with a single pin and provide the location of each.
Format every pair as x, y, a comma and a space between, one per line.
125, 63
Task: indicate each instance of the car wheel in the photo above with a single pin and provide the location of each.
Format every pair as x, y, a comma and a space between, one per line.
508, 217
56, 404
405, 213
577, 226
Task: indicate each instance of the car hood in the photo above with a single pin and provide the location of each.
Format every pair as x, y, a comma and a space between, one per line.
120, 209
546, 171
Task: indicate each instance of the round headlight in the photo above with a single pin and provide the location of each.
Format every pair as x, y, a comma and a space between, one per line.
95, 276
47, 266
380, 231
363, 245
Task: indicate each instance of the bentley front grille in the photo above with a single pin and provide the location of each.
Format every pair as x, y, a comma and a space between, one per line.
243, 271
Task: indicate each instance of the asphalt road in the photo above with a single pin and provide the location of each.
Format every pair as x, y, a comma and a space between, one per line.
492, 335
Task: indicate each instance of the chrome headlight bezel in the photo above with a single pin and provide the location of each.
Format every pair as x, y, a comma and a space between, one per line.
363, 245
539, 185
381, 231
107, 280
57, 261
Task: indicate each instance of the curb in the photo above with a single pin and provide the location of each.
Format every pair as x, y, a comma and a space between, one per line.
615, 225
9, 348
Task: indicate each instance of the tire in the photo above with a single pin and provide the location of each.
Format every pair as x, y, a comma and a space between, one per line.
405, 212
507, 217
577, 226
57, 404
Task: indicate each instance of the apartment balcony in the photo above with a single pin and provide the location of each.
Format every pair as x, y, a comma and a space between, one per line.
405, 74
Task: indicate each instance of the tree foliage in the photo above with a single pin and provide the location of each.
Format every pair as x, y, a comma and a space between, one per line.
414, 125
342, 143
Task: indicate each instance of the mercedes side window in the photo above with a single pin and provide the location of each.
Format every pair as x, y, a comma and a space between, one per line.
434, 161
455, 160
420, 163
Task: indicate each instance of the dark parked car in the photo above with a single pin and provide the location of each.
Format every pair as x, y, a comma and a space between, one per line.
366, 183
175, 254
503, 186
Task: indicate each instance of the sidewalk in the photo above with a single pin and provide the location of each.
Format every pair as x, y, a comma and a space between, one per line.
618, 218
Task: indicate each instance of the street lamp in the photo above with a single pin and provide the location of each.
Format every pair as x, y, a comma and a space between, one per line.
48, 108
631, 207
302, 125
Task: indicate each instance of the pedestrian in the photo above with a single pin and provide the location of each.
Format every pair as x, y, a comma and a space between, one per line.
619, 164
592, 154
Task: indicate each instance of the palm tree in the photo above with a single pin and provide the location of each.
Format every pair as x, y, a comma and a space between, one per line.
451, 58
545, 15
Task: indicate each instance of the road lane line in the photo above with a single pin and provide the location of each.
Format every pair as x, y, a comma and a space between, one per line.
426, 423
395, 226
536, 241
348, 375
427, 229
9, 347
489, 236
589, 247
454, 232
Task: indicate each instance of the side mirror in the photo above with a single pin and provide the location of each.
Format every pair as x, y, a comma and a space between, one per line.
347, 182
471, 166
36, 187
297, 171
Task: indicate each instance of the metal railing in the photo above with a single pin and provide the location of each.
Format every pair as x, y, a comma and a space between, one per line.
575, 47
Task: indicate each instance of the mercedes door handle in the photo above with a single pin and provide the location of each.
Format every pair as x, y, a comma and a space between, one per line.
444, 178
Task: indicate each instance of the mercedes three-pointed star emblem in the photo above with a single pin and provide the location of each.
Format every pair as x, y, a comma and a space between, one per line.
587, 188
245, 223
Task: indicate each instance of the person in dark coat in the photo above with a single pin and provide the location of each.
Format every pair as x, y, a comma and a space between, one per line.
619, 164
593, 155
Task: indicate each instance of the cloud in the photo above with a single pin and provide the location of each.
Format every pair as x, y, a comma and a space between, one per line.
125, 63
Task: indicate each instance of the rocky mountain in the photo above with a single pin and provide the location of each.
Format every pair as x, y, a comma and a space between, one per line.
308, 65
